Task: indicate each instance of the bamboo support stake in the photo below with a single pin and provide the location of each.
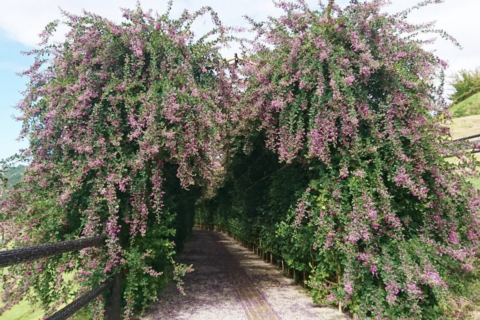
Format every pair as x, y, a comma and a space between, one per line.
340, 302
330, 282
236, 59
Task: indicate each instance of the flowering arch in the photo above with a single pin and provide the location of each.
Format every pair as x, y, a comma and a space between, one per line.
325, 147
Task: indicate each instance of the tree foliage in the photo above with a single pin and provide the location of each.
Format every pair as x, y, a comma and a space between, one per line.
466, 83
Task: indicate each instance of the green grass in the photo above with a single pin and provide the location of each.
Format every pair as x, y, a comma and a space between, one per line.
26, 311
23, 311
463, 127
475, 182
467, 107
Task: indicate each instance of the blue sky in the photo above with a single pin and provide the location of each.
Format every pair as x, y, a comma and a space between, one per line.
22, 20
11, 62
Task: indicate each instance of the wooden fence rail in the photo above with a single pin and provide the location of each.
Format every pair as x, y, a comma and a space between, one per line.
16, 256
468, 138
476, 146
112, 284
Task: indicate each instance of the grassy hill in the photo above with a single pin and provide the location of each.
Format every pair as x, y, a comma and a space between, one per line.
463, 127
467, 107
22, 311
466, 126
25, 311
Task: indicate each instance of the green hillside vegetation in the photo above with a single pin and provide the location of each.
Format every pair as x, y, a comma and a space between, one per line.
467, 107
466, 83
13, 176
463, 127
476, 182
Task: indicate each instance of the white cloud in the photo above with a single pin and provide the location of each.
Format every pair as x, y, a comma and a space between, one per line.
459, 18
22, 20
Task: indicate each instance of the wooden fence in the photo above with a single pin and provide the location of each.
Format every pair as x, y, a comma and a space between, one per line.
111, 285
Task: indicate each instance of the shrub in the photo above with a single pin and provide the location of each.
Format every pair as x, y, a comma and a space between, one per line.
346, 98
121, 119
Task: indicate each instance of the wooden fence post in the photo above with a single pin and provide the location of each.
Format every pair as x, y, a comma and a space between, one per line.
112, 301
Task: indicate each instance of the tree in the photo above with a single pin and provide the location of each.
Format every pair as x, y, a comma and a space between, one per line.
466, 84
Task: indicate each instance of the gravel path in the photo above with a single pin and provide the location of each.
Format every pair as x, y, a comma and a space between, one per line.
230, 282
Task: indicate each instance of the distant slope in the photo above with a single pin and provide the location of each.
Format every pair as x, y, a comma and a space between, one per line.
14, 176
467, 107
466, 126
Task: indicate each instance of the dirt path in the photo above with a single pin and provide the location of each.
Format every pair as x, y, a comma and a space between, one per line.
230, 282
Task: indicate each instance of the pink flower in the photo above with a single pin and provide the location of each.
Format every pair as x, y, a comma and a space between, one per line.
349, 80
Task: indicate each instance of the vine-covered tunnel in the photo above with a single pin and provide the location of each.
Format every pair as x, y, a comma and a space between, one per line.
322, 147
